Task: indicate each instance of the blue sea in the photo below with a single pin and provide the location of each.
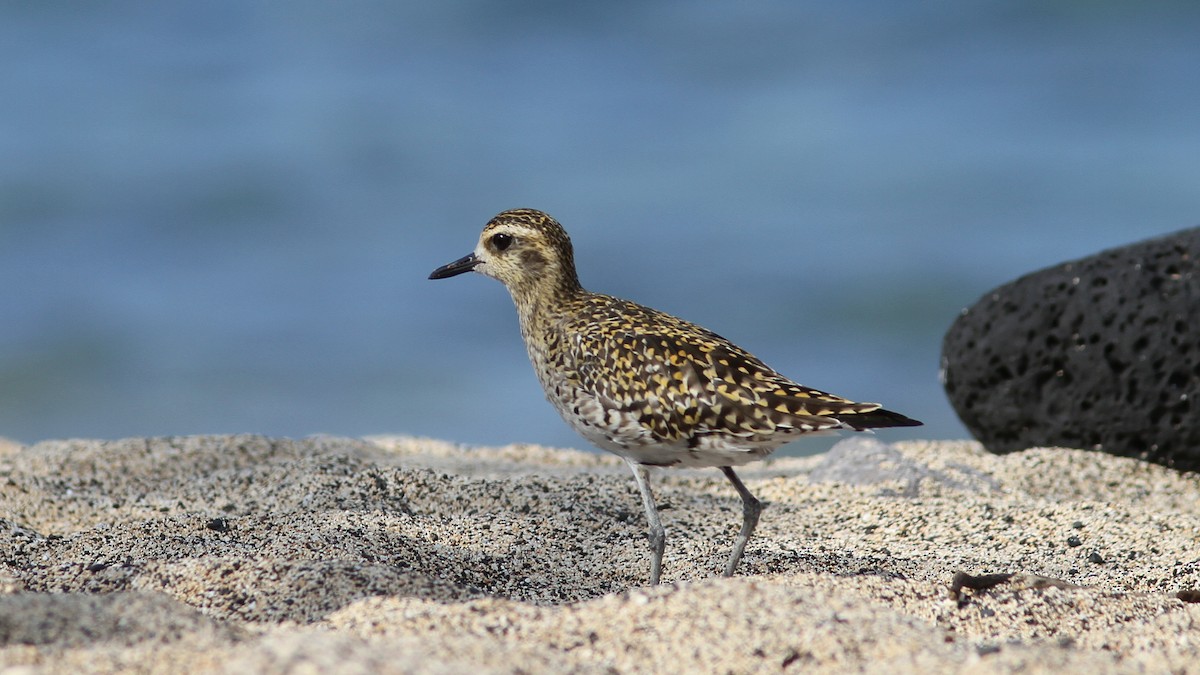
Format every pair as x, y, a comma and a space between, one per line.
220, 216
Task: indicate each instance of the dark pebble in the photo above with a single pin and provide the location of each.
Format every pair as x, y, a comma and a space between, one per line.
1188, 595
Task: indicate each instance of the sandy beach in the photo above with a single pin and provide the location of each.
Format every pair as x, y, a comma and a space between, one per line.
397, 555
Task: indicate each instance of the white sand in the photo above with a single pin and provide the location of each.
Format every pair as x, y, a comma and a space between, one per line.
250, 554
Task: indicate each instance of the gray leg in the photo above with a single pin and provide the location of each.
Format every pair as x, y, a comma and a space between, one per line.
751, 508
658, 538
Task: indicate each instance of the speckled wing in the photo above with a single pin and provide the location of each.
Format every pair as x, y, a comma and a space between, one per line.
684, 385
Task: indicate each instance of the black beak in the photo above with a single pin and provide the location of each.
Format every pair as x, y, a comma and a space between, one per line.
463, 264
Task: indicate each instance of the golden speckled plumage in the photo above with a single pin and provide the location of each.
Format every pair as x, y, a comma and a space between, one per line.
643, 384
666, 392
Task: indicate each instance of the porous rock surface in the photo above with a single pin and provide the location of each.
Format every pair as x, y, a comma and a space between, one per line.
1101, 353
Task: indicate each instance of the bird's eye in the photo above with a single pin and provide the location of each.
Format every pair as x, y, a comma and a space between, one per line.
502, 240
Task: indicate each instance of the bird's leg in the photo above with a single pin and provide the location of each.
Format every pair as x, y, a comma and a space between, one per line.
658, 538
751, 508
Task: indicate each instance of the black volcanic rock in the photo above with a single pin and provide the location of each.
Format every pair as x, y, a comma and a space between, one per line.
1101, 353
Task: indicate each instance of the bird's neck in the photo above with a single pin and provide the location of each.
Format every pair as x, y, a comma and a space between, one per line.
541, 308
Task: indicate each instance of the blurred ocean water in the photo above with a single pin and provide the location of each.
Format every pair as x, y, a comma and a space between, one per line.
220, 216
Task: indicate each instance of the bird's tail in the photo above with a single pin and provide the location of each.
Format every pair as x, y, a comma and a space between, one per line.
875, 419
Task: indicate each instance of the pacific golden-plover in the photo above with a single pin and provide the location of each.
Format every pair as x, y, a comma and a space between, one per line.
645, 385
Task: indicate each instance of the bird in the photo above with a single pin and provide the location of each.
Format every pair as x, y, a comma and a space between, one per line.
651, 388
